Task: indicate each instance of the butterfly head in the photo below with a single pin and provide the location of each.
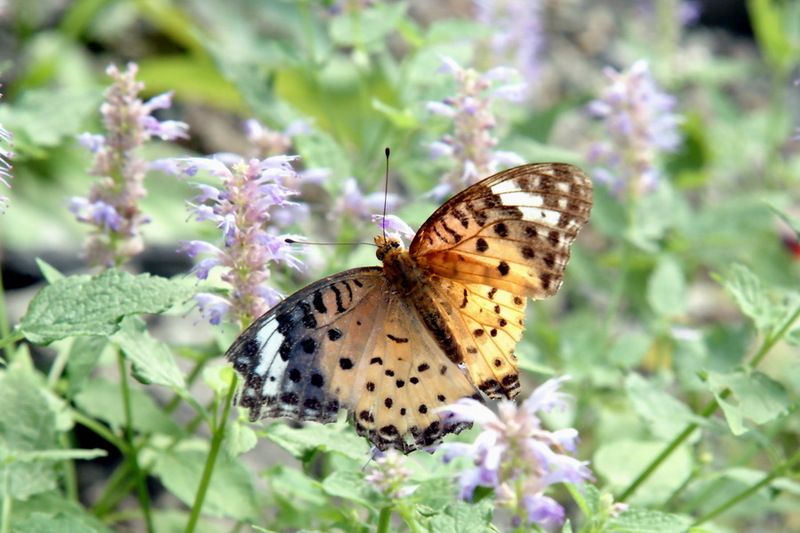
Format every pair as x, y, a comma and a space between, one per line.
386, 245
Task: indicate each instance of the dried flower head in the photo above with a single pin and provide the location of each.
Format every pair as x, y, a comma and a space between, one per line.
112, 205
516, 456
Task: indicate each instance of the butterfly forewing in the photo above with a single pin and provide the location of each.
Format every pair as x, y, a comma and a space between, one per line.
511, 231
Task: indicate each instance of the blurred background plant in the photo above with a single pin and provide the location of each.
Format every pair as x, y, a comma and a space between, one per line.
677, 319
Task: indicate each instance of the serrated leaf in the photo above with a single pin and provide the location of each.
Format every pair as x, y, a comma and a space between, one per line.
754, 396
636, 520
153, 362
27, 427
750, 294
83, 305
231, 492
463, 517
303, 442
666, 288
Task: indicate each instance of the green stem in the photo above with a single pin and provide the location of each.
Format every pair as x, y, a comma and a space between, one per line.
211, 460
9, 339
710, 408
5, 525
383, 520
750, 491
144, 498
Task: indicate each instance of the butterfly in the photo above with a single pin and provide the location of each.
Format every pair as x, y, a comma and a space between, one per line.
436, 323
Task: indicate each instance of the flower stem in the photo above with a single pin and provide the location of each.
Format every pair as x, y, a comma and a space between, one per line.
383, 520
750, 491
710, 408
211, 460
144, 498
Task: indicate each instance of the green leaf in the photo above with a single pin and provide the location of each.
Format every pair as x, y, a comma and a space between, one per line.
303, 442
52, 505
754, 396
47, 523
84, 352
620, 461
49, 272
153, 362
401, 118
629, 350
463, 517
666, 288
665, 415
231, 492
433, 495
26, 428
367, 26
636, 520
83, 305
351, 486
752, 297
239, 438
102, 399
55, 455
46, 117
792, 220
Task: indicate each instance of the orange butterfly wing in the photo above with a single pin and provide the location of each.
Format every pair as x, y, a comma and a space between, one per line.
504, 239
348, 341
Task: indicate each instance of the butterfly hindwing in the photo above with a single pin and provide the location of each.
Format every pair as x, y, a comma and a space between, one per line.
350, 342
511, 231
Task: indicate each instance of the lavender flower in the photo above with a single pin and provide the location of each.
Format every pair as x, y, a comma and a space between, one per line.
112, 206
471, 144
242, 208
641, 124
516, 456
355, 203
389, 475
5, 164
518, 34
393, 226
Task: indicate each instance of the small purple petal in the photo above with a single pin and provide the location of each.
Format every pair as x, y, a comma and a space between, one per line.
394, 225
213, 307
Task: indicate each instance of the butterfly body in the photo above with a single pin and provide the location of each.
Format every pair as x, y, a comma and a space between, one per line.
435, 323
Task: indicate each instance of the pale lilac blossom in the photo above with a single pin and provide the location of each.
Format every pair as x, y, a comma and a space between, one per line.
471, 143
353, 202
389, 475
393, 226
5, 164
516, 456
517, 34
242, 207
640, 123
112, 205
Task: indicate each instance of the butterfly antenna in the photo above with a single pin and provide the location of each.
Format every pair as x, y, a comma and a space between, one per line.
385, 190
292, 241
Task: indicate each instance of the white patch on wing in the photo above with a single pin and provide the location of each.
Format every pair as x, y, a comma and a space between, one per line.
540, 216
270, 363
521, 198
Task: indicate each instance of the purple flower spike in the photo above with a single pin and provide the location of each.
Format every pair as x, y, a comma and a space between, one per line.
471, 145
640, 124
516, 456
5, 164
112, 205
242, 207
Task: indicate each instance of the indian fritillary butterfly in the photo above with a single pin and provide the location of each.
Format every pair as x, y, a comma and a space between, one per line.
435, 323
